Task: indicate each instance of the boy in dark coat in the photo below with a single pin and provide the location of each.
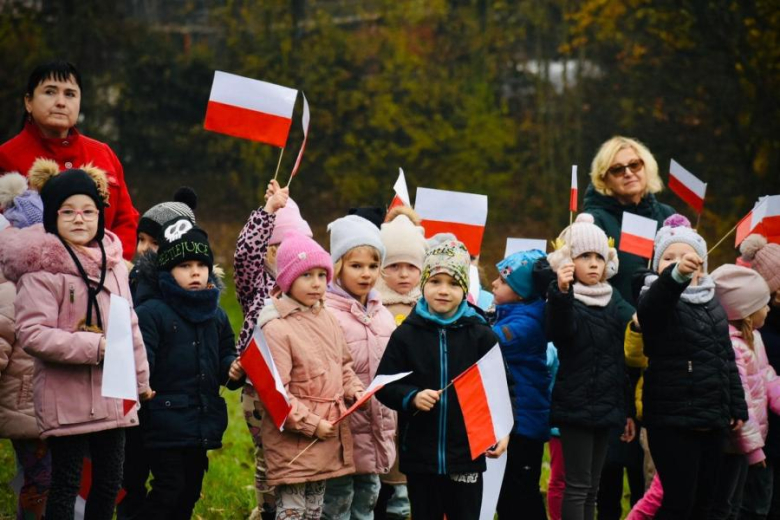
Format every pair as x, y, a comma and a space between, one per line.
191, 352
441, 338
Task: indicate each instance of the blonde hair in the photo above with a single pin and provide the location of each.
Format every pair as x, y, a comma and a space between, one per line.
605, 156
745, 326
337, 267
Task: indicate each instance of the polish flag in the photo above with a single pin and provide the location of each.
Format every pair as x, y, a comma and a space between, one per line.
637, 235
261, 370
250, 109
119, 375
305, 119
515, 245
687, 186
401, 192
483, 394
84, 487
763, 219
379, 382
459, 213
573, 195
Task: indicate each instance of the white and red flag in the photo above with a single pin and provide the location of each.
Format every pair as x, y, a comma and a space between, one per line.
379, 382
763, 219
687, 186
250, 109
119, 377
85, 486
401, 197
514, 245
305, 119
260, 368
637, 235
462, 214
573, 194
483, 394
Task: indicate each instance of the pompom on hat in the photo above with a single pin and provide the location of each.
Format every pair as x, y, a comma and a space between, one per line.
677, 230
296, 255
740, 290
22, 206
185, 201
764, 257
583, 236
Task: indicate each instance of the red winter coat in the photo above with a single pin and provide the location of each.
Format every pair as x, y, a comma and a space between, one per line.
74, 151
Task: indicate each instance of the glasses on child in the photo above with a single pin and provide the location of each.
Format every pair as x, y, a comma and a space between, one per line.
619, 169
69, 215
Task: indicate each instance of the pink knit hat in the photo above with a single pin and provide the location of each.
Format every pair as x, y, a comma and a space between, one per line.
764, 258
297, 254
740, 290
289, 218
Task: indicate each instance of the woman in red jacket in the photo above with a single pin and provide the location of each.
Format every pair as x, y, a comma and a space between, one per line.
52, 103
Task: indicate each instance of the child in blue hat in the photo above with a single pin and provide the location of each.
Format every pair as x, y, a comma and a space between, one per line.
519, 325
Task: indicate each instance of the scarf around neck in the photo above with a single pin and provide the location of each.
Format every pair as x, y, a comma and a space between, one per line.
193, 306
698, 294
597, 295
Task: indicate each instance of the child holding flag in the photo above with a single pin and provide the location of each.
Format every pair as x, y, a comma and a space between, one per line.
439, 340
589, 396
255, 277
66, 272
519, 325
313, 361
692, 392
399, 288
191, 352
356, 246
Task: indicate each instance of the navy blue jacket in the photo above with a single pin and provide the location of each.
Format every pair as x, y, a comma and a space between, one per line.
520, 331
190, 347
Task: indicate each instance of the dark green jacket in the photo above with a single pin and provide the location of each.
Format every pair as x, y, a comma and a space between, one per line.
608, 215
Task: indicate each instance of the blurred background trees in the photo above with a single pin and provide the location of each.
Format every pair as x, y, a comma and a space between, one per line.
494, 97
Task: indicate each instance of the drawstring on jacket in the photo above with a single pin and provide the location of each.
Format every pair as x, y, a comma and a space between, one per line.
92, 292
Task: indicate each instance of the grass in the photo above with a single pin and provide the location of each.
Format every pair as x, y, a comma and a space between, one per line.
228, 488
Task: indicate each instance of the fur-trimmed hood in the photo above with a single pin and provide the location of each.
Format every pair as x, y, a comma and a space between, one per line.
32, 249
391, 297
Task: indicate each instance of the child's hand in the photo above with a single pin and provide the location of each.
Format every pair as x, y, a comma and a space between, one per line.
629, 432
736, 424
102, 349
275, 197
499, 449
426, 399
325, 430
565, 277
635, 321
761, 464
689, 264
236, 371
147, 395
365, 405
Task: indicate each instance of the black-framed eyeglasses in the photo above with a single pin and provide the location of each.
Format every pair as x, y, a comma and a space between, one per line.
619, 170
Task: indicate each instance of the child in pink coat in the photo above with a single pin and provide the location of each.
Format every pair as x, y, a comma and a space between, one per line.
66, 272
357, 249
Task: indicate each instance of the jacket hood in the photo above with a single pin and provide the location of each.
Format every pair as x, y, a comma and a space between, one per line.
280, 307
32, 249
338, 298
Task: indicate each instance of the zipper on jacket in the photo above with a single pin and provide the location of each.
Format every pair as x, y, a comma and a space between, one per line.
72, 294
443, 404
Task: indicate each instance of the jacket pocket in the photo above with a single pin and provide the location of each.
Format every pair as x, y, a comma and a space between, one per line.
25, 391
169, 417
215, 418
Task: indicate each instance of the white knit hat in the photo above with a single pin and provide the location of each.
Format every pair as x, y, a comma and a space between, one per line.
584, 237
350, 232
403, 241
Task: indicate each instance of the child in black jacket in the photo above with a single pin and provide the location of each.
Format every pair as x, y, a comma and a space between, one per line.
692, 390
441, 338
583, 320
191, 352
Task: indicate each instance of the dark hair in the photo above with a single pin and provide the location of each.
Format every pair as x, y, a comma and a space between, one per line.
59, 70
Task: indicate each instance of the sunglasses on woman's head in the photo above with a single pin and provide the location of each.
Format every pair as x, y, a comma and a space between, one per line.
618, 170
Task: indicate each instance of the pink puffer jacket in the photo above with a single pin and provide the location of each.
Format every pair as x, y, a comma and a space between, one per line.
367, 332
51, 299
762, 389
17, 415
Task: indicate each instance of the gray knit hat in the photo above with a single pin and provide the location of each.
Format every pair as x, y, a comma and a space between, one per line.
352, 231
677, 229
185, 200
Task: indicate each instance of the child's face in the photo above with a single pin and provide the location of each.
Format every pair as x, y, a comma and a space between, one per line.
401, 277
673, 254
309, 288
77, 220
192, 275
359, 271
270, 257
759, 317
503, 293
589, 268
443, 294
146, 243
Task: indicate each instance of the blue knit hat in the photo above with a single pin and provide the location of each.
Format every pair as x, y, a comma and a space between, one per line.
517, 270
22, 206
